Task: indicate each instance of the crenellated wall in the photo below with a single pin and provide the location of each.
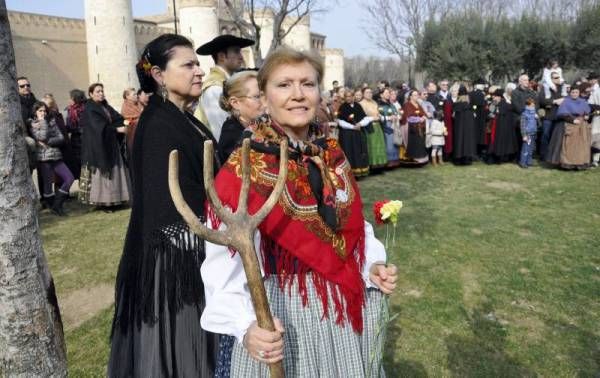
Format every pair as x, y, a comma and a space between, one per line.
52, 52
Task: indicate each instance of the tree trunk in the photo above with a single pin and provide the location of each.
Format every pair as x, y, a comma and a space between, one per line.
31, 334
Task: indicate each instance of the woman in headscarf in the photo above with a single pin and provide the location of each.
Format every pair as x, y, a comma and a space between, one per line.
324, 269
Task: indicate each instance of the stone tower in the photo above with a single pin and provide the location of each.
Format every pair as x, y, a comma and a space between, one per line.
199, 21
111, 48
334, 67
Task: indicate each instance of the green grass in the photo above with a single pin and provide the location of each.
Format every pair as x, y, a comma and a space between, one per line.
498, 274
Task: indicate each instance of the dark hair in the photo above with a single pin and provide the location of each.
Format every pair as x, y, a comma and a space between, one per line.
158, 52
22, 78
77, 96
93, 86
38, 105
439, 115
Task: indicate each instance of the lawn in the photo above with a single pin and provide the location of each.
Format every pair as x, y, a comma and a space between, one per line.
498, 274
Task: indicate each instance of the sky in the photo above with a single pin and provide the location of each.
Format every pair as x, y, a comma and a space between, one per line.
341, 24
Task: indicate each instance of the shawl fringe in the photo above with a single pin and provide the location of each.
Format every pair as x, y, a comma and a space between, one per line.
168, 275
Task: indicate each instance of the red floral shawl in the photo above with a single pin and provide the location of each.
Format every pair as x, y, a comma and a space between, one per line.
295, 232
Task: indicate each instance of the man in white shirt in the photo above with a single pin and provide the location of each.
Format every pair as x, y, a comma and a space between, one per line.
226, 51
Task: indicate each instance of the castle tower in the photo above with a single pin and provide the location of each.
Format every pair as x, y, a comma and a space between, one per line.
198, 21
111, 49
334, 67
299, 36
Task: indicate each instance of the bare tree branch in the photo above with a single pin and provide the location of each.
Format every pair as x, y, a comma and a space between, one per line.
287, 14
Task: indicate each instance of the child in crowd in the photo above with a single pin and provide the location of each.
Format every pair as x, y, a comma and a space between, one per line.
50, 160
437, 129
552, 68
529, 126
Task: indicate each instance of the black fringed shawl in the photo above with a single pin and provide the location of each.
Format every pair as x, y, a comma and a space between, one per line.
161, 261
100, 142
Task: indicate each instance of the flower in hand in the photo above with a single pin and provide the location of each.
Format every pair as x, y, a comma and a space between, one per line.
265, 346
384, 276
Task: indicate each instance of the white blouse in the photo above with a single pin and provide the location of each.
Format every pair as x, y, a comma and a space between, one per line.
229, 308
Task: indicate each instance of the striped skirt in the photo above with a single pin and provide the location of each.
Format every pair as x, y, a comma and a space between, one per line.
316, 347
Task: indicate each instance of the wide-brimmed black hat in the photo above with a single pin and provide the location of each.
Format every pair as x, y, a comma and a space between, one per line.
222, 43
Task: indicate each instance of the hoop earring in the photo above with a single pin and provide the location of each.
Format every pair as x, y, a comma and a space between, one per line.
162, 91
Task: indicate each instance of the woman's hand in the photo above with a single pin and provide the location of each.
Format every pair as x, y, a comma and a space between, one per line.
384, 276
265, 346
122, 129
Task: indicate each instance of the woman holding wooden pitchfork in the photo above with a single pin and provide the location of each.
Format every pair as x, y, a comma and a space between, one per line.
324, 270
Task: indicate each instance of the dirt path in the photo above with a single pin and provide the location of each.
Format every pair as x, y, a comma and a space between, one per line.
81, 305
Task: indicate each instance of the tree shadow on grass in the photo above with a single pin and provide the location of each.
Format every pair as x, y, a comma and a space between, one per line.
484, 353
394, 365
583, 347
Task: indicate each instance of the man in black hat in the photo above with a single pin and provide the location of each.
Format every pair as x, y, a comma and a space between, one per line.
226, 51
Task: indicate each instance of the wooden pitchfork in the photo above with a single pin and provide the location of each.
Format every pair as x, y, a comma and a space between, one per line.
241, 226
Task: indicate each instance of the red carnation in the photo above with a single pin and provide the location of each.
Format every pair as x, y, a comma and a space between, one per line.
377, 210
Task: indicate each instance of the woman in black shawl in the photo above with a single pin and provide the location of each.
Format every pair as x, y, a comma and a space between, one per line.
159, 291
104, 179
504, 144
465, 144
352, 134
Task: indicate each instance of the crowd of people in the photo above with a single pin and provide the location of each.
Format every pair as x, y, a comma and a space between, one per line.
62, 153
555, 122
183, 306
378, 127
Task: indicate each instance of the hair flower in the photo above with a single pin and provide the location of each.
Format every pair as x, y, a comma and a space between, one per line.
145, 65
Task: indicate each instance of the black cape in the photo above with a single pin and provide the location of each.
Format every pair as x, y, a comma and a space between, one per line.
100, 143
505, 143
159, 291
477, 99
465, 145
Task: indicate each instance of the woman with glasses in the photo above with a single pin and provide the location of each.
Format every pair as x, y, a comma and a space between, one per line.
241, 99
